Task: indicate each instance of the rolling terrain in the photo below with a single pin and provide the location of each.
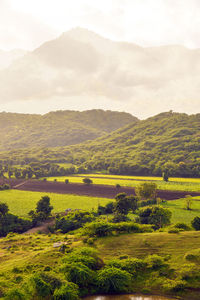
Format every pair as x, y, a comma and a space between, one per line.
168, 141
58, 128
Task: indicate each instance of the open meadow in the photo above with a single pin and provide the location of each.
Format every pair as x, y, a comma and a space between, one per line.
21, 202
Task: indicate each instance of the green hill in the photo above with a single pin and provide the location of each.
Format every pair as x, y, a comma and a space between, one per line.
168, 141
58, 128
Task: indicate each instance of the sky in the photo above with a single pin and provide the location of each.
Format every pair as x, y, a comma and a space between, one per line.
27, 24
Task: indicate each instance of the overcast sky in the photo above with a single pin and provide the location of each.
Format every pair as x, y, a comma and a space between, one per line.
26, 24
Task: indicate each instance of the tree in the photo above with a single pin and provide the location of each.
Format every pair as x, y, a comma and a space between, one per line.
124, 203
188, 201
146, 190
43, 210
87, 181
3, 209
165, 176
44, 207
156, 215
196, 223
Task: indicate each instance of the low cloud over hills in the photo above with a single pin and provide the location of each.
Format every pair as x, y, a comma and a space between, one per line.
83, 69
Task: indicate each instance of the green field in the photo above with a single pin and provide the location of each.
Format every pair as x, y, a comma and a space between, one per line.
175, 184
21, 202
179, 213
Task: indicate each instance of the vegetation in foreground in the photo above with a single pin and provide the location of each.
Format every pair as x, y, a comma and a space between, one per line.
151, 255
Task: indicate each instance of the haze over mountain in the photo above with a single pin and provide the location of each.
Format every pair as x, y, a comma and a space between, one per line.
82, 70
7, 57
59, 128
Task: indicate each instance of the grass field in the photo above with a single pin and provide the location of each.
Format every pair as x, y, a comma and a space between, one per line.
21, 202
175, 184
140, 245
179, 213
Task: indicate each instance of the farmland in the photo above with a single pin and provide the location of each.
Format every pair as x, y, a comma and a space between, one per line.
174, 184
21, 202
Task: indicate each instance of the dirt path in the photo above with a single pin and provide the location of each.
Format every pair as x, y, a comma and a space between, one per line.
42, 228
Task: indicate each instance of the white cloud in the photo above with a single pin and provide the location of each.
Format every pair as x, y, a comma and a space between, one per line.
27, 23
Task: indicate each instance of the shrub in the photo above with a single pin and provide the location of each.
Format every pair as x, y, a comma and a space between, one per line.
73, 220
15, 294
134, 266
155, 215
68, 291
182, 226
174, 286
173, 230
119, 218
193, 256
99, 229
113, 280
87, 181
196, 223
118, 185
155, 262
38, 287
78, 273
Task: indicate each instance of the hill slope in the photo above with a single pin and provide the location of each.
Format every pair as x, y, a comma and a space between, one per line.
59, 128
167, 141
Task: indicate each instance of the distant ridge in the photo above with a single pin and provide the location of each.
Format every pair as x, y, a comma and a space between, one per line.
59, 128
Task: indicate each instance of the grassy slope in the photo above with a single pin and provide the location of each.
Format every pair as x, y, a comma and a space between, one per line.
140, 245
176, 184
21, 202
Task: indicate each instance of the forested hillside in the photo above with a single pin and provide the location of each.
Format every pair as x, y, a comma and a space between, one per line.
58, 128
168, 141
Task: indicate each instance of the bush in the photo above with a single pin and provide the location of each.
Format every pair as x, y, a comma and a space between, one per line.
85, 255
119, 218
87, 181
73, 220
102, 228
174, 230
193, 256
68, 291
182, 226
196, 223
113, 280
155, 215
155, 262
99, 229
134, 266
15, 294
78, 273
38, 287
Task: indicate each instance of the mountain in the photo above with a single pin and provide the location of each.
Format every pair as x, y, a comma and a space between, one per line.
84, 69
168, 141
58, 128
8, 57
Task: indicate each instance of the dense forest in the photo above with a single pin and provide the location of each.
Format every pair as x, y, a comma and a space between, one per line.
58, 128
166, 142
